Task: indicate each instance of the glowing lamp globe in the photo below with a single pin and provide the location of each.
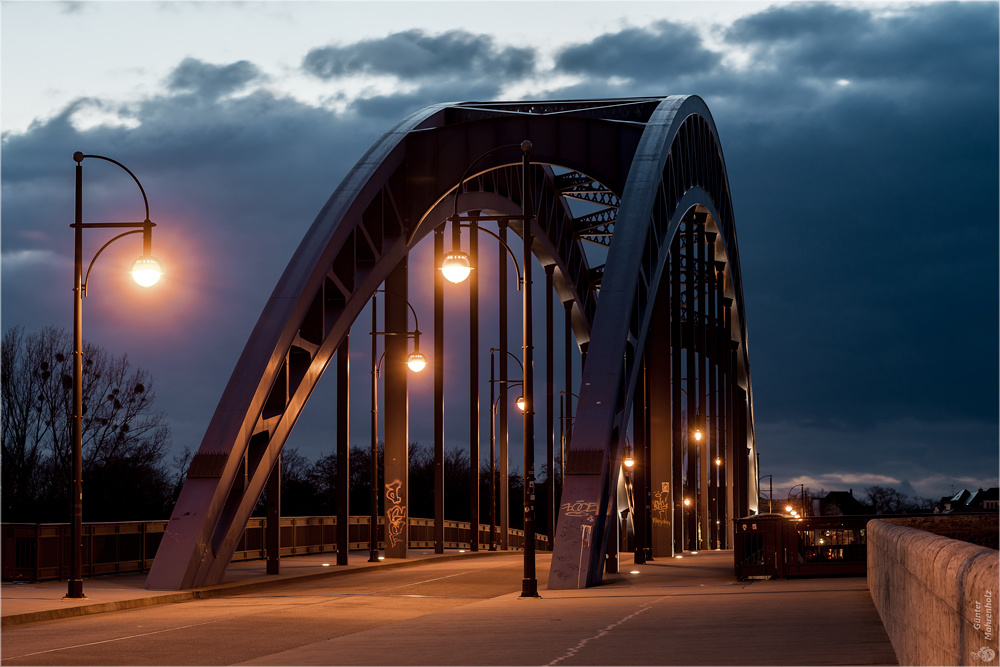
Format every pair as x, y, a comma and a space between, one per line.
629, 462
788, 508
146, 270
687, 502
456, 266
520, 403
416, 362
697, 436
718, 461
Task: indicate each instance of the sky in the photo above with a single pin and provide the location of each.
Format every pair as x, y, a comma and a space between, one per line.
861, 143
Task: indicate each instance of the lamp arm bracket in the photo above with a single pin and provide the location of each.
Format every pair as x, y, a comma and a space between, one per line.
86, 281
416, 322
517, 269
408, 334
79, 157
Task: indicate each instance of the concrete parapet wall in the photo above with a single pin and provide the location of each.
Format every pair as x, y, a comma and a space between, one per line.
937, 597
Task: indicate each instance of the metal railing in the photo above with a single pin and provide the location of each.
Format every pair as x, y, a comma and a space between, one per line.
39, 552
772, 545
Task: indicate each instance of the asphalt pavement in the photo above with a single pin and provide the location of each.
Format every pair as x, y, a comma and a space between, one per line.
467, 611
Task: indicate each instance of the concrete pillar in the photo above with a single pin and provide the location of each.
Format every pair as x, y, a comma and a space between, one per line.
396, 416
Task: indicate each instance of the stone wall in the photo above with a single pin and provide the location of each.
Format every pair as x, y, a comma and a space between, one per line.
937, 597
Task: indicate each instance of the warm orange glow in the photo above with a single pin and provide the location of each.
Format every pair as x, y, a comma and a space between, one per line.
629, 462
687, 502
416, 362
718, 461
788, 508
697, 436
456, 266
146, 270
520, 403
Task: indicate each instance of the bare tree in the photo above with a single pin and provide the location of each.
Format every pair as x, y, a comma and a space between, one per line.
124, 440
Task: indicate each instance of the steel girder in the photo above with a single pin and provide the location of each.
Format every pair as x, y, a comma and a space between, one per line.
398, 192
677, 170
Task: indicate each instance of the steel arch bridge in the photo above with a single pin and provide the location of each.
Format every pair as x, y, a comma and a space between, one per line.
669, 294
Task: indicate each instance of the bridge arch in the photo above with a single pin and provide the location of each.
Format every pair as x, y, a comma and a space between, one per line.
644, 162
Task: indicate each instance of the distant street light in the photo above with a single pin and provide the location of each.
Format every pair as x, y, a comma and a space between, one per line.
416, 362
802, 498
494, 405
146, 271
520, 403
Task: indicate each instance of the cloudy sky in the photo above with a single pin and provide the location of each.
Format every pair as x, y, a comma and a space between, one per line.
861, 142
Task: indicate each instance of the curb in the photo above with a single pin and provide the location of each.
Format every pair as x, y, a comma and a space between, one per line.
221, 590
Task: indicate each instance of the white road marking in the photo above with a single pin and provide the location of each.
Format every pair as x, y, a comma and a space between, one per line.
576, 649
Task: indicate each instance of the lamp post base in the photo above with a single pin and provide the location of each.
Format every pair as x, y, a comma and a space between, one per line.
529, 588
75, 589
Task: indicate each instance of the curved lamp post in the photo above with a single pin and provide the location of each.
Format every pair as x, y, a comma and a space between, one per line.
457, 264
146, 271
416, 362
494, 405
802, 499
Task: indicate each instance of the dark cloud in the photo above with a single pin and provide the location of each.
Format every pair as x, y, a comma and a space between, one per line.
211, 81
416, 55
941, 42
660, 51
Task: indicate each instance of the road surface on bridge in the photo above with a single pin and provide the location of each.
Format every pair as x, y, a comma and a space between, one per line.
674, 611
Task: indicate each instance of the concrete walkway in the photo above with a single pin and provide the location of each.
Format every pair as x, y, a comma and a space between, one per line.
44, 601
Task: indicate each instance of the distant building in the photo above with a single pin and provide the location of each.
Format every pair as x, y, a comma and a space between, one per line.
966, 502
841, 503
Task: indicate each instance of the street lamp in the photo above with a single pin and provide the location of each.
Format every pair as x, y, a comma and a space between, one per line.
770, 489
146, 270
494, 404
416, 362
520, 403
802, 498
456, 267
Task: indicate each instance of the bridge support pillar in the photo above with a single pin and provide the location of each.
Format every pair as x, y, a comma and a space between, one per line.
343, 448
676, 422
273, 506
660, 428
397, 411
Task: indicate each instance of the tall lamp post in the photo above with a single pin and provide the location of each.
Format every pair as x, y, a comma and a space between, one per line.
770, 490
416, 362
146, 270
457, 263
494, 403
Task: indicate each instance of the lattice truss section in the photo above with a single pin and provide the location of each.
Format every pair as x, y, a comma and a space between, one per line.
596, 226
692, 293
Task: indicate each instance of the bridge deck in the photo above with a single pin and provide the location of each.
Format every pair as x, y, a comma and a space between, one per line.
687, 611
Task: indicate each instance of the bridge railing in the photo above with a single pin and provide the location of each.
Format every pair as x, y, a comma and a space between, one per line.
39, 552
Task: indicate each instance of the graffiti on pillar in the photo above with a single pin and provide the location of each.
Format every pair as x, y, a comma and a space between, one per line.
395, 511
579, 508
661, 507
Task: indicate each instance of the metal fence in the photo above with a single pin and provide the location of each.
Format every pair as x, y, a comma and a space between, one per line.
39, 552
